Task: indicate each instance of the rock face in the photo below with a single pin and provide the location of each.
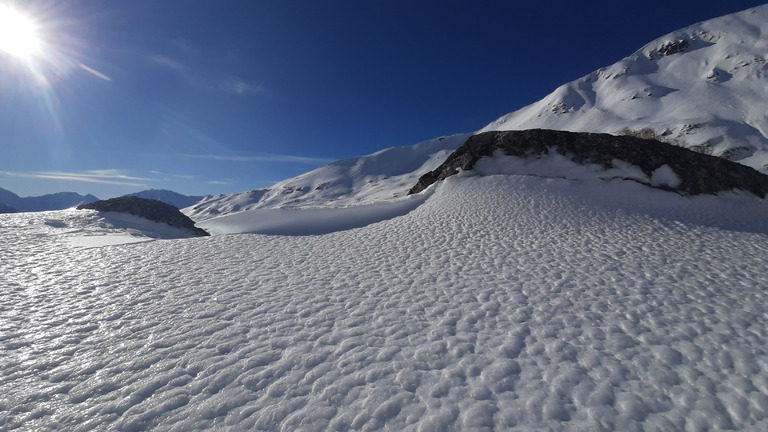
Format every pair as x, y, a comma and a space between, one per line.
151, 209
698, 173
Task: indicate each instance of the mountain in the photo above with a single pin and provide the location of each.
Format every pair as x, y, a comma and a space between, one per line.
55, 201
705, 87
169, 197
5, 208
383, 175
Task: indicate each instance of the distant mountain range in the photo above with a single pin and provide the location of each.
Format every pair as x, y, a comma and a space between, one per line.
169, 197
12, 203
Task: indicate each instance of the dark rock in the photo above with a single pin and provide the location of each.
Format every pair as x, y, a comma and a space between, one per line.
699, 173
151, 209
669, 48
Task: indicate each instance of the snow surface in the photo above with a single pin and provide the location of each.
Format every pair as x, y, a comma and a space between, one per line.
503, 301
90, 228
713, 93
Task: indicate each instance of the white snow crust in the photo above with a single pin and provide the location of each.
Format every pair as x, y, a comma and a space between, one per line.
503, 302
712, 94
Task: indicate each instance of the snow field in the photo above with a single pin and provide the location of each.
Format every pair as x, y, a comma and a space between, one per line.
501, 302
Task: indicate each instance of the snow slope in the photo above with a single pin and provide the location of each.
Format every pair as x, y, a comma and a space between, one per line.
384, 175
705, 85
503, 302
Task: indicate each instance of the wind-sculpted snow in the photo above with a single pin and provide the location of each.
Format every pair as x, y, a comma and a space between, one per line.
502, 302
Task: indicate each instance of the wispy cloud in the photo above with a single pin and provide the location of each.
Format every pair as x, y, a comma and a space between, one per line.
94, 72
181, 176
237, 86
107, 176
262, 158
170, 63
231, 85
220, 182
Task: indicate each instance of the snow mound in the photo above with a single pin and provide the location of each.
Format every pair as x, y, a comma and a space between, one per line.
91, 229
703, 86
310, 221
502, 302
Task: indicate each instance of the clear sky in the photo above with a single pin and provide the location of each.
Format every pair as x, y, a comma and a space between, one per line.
209, 97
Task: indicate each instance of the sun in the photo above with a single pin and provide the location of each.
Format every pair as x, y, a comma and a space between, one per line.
18, 34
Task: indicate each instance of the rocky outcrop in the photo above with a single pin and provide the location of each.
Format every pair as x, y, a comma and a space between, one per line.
698, 173
151, 209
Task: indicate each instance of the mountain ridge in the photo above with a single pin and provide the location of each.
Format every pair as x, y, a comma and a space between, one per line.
54, 201
703, 86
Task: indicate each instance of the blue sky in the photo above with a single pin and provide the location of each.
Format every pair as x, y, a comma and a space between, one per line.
209, 97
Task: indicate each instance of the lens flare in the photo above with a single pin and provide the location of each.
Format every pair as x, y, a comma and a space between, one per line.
18, 34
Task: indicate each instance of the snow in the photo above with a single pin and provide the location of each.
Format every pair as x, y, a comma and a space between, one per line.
501, 302
89, 228
382, 176
713, 93
308, 221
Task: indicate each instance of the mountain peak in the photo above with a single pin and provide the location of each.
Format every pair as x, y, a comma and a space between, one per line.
704, 85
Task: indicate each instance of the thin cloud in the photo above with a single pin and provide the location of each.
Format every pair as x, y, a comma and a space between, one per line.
239, 87
181, 176
170, 63
94, 72
220, 182
108, 176
263, 158
231, 85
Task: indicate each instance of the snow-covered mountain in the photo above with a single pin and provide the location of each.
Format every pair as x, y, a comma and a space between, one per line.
55, 201
383, 175
705, 86
169, 197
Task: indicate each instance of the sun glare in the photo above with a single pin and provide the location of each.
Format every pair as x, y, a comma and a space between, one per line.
18, 35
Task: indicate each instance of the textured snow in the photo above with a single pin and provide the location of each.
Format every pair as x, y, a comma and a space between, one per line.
90, 228
307, 221
712, 93
506, 302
